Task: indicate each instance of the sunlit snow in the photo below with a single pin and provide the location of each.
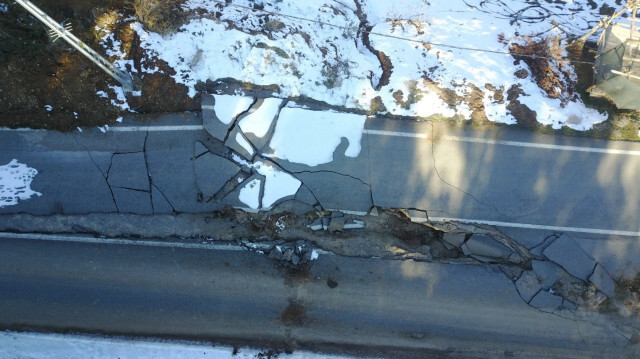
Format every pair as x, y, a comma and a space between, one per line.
437, 48
15, 183
311, 137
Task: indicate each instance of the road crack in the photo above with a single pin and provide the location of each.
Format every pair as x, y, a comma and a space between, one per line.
435, 167
104, 176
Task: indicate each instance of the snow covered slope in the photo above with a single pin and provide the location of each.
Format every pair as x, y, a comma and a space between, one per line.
443, 57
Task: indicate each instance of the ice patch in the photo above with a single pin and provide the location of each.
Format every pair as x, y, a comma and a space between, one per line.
4, 8
311, 137
15, 183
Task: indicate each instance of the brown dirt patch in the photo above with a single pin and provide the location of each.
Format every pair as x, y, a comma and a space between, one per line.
37, 73
295, 314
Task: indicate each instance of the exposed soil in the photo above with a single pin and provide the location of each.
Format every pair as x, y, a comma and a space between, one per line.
50, 85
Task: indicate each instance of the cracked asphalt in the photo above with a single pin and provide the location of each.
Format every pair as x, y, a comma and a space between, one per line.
554, 218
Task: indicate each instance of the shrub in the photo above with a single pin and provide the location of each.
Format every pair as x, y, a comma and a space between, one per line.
161, 16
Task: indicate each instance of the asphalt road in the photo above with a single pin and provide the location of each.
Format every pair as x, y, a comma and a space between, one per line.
492, 175
372, 306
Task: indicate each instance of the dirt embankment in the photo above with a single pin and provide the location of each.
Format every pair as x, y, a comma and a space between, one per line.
51, 85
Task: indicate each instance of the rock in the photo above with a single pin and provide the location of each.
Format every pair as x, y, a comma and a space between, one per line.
603, 281
337, 224
521, 74
546, 300
295, 259
316, 225
515, 258
485, 246
528, 285
354, 224
213, 172
337, 214
454, 238
568, 254
373, 212
325, 223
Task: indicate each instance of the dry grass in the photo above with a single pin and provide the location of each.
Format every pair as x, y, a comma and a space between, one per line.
161, 16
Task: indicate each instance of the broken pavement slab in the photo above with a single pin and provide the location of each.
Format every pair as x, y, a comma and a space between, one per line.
132, 201
546, 301
258, 124
568, 254
248, 194
547, 272
528, 285
213, 172
238, 142
304, 195
456, 239
129, 170
485, 246
220, 111
603, 281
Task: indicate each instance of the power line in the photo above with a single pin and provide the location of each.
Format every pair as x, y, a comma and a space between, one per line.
396, 37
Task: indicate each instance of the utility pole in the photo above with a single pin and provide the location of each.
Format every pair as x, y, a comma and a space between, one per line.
59, 31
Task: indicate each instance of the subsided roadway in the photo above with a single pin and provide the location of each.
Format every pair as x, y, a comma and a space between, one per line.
230, 295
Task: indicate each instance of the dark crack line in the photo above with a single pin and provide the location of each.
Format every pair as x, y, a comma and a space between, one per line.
334, 172
105, 176
133, 189
165, 198
235, 120
550, 239
435, 167
151, 185
271, 160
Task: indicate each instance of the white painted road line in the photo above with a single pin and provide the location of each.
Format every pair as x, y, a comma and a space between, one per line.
542, 145
545, 146
212, 245
208, 107
155, 128
611, 232
395, 134
145, 243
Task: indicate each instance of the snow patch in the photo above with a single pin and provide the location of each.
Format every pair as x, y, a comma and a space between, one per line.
244, 143
311, 137
4, 8
250, 194
259, 121
228, 107
15, 183
37, 345
277, 184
